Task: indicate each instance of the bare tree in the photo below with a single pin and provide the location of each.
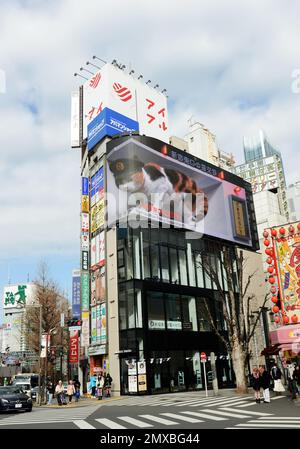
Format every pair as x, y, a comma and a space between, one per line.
50, 303
236, 307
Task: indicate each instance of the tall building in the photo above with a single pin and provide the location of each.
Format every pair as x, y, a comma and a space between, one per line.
143, 286
293, 197
258, 147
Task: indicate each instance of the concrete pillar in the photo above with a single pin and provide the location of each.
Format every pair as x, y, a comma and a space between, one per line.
214, 373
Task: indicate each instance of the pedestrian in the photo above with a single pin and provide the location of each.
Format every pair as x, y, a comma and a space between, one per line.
93, 385
59, 392
276, 376
51, 390
265, 380
292, 385
107, 384
296, 378
70, 390
77, 386
256, 384
100, 386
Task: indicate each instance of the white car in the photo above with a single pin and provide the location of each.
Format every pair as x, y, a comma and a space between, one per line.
26, 387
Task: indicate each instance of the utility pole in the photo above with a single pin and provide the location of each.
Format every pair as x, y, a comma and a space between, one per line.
40, 359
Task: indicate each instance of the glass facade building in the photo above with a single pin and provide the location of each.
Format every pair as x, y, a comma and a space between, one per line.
163, 318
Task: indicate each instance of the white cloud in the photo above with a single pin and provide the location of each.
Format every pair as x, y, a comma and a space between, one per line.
227, 63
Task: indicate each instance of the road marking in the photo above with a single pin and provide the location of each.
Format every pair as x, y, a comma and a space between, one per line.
247, 405
135, 422
204, 415
283, 417
167, 422
276, 426
109, 423
229, 402
279, 421
182, 418
228, 409
233, 415
277, 397
83, 424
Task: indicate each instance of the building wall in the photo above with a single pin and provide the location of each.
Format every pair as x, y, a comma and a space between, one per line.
202, 143
112, 310
293, 196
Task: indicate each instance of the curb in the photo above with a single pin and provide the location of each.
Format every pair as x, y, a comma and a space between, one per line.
77, 405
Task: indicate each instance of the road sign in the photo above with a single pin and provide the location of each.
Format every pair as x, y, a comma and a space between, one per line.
203, 357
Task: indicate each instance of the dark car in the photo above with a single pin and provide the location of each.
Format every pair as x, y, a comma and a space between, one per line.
13, 398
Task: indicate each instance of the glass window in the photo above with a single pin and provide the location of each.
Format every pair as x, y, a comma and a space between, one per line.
136, 251
138, 310
173, 311
191, 266
203, 318
154, 254
174, 266
128, 259
145, 257
199, 270
130, 309
189, 313
121, 259
122, 310
156, 311
164, 257
183, 267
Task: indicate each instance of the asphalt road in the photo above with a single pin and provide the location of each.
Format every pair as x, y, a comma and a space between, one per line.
174, 411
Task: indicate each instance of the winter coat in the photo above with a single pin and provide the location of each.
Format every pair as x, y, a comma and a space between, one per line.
59, 389
276, 373
108, 381
70, 390
296, 376
265, 379
100, 383
255, 382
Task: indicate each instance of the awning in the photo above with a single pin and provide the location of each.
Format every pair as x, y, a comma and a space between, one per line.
271, 350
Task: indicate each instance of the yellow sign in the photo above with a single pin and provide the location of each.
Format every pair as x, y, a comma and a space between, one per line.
97, 216
239, 219
85, 203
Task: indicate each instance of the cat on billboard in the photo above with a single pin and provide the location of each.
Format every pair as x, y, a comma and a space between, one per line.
148, 180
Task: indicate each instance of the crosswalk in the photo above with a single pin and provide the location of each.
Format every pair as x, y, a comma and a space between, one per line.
40, 416
270, 422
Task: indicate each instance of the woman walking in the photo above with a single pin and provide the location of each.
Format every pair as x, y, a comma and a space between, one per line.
70, 390
265, 384
296, 378
59, 392
276, 376
256, 384
107, 384
100, 386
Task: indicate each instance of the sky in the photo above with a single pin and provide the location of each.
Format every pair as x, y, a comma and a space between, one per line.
229, 64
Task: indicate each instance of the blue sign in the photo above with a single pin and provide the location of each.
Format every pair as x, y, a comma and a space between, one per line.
76, 297
97, 182
109, 123
85, 186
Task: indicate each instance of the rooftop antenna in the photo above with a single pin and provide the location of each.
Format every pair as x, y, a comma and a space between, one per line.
102, 60
164, 91
86, 70
77, 74
140, 76
123, 66
131, 72
148, 82
94, 65
156, 85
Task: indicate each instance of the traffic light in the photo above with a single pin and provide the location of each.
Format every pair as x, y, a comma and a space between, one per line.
74, 322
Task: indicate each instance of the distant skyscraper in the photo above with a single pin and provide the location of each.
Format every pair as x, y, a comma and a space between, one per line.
293, 196
258, 147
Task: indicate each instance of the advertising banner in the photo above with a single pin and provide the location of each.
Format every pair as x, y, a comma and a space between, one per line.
85, 203
109, 123
85, 260
84, 186
103, 333
98, 294
76, 294
75, 120
149, 180
85, 291
85, 223
93, 325
18, 295
98, 216
98, 322
97, 186
85, 329
132, 384
73, 347
287, 252
85, 241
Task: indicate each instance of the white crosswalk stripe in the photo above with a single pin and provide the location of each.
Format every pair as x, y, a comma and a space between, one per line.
83, 424
274, 426
181, 418
109, 423
159, 420
224, 402
134, 421
232, 415
229, 409
205, 415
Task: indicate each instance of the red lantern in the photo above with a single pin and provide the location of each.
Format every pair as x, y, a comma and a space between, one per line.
271, 280
277, 319
267, 242
294, 318
291, 229
275, 309
266, 234
282, 231
298, 226
274, 232
274, 299
288, 308
286, 319
270, 270
269, 260
269, 252
273, 290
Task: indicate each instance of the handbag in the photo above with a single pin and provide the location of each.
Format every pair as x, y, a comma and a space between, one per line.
278, 385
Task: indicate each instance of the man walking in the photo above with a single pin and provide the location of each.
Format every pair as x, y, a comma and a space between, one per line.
265, 380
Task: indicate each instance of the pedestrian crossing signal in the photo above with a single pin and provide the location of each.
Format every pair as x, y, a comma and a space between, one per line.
74, 322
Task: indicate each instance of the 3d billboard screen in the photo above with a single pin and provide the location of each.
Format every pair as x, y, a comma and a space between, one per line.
149, 180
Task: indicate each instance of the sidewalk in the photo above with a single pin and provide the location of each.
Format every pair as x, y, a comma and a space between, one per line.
83, 402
